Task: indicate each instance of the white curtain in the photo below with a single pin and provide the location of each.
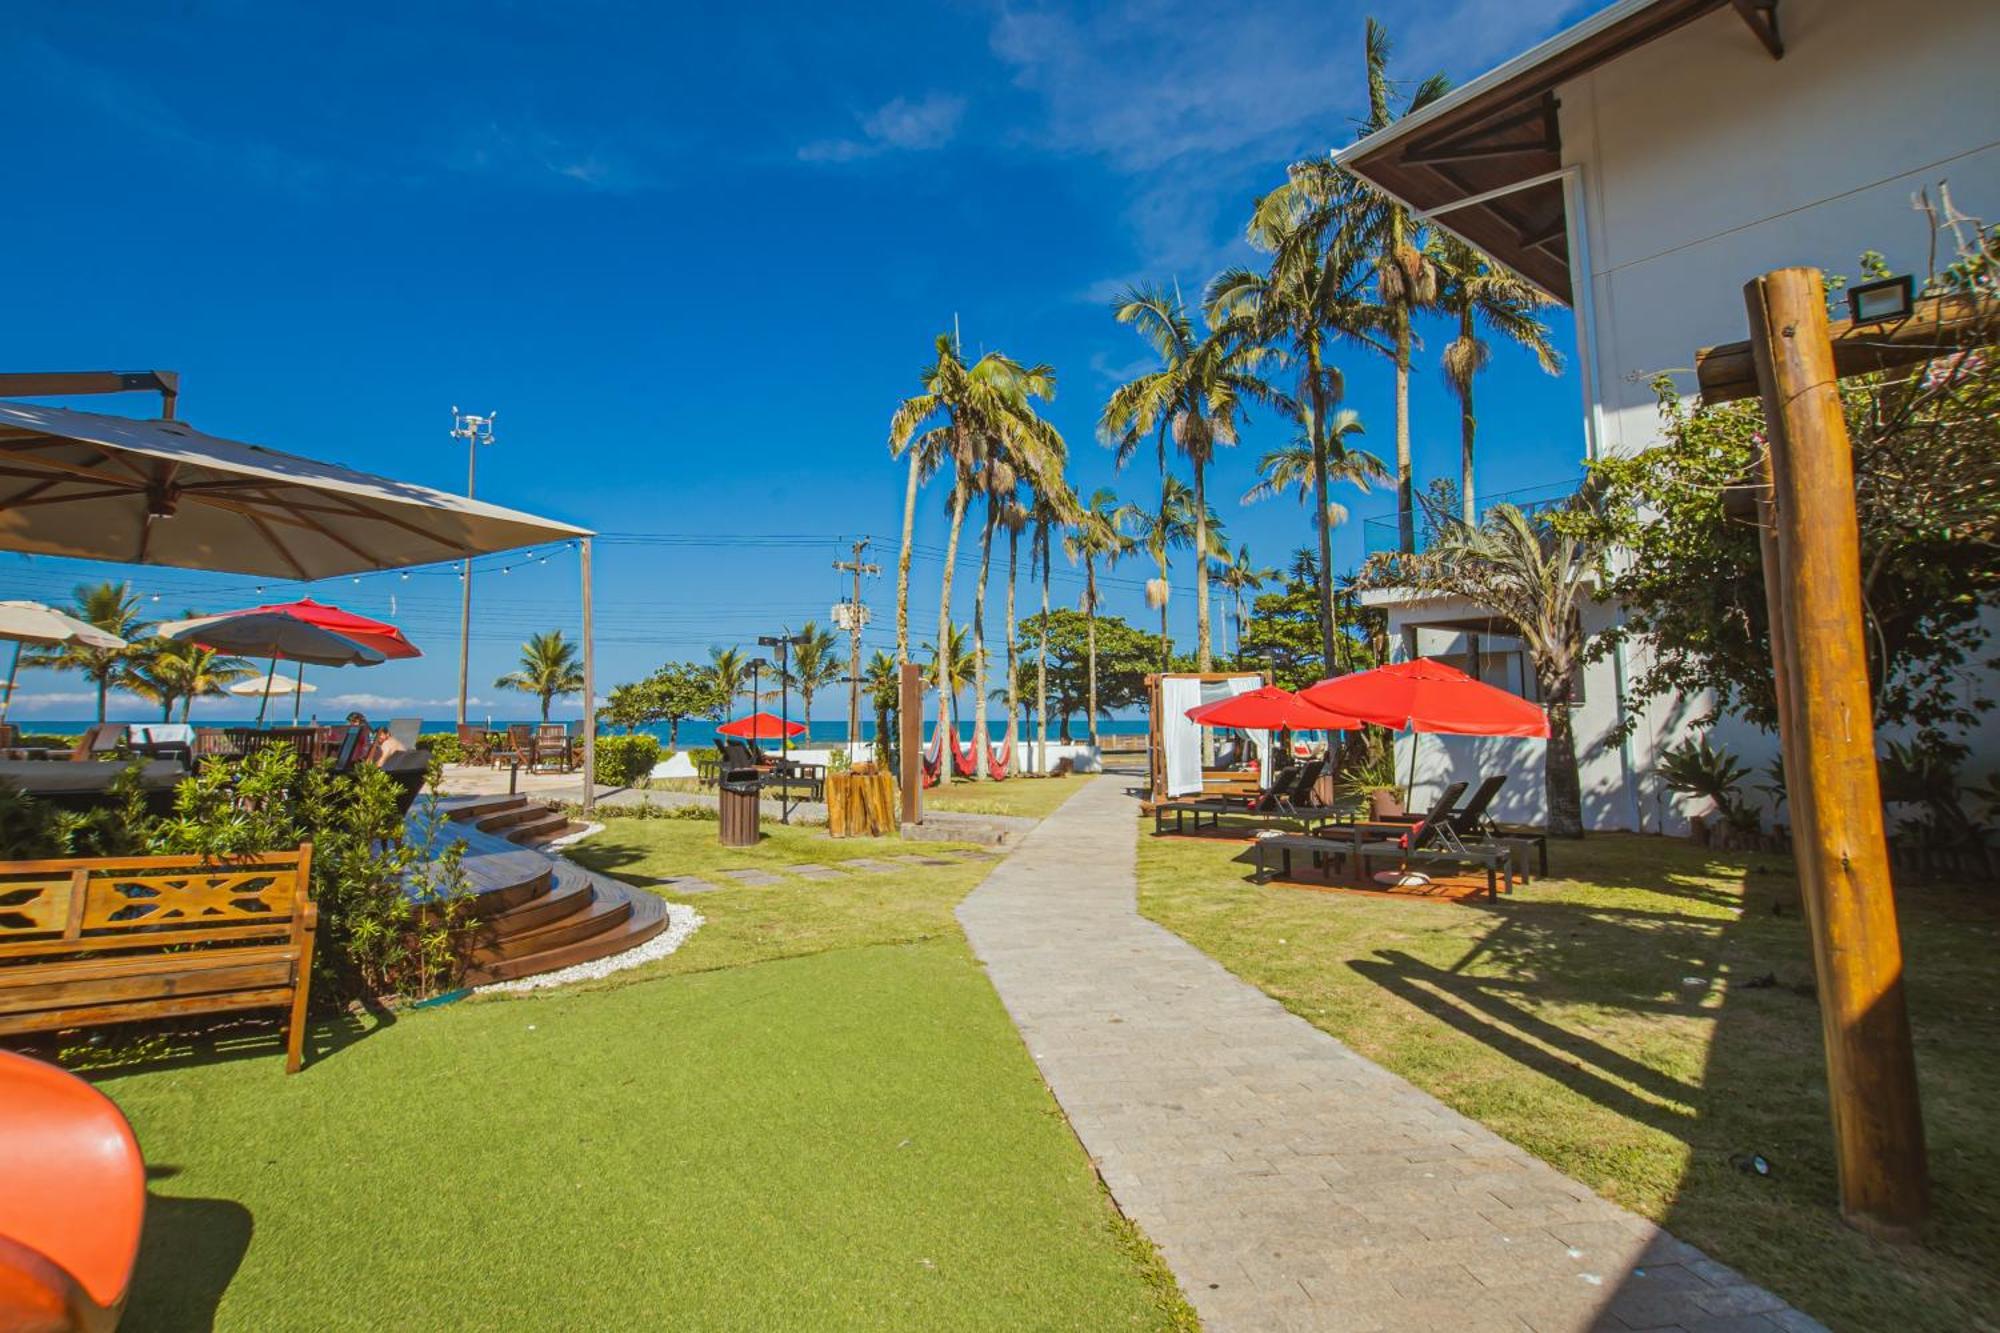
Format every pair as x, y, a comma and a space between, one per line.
1180, 739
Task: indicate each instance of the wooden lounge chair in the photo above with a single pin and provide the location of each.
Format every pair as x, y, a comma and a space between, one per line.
1272, 802
1436, 842
518, 747
551, 748
1341, 840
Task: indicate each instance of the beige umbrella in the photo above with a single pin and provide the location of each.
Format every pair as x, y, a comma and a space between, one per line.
272, 683
31, 622
160, 492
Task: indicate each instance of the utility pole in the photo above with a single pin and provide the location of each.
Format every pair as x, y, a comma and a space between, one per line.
475, 431
855, 613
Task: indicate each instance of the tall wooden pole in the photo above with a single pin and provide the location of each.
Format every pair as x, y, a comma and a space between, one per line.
910, 739
1827, 729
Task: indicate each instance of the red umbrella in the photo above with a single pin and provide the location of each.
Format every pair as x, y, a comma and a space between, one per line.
1269, 708
380, 635
760, 727
1426, 695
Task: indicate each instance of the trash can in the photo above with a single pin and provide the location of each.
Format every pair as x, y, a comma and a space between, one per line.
738, 790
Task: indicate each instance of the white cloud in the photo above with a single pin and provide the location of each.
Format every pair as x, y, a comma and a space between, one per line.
1202, 105
898, 125
393, 703
528, 154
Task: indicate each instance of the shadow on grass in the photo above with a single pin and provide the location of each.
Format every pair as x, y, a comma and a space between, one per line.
188, 1255
134, 1048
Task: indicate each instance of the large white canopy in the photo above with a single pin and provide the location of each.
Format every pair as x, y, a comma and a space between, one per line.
31, 622
158, 492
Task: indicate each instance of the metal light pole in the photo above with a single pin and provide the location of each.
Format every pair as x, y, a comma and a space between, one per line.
475, 431
783, 643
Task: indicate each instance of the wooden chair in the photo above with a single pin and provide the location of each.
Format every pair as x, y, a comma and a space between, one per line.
475, 745
89, 941
102, 739
551, 750
519, 747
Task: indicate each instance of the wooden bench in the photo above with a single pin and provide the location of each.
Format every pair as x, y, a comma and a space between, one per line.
117, 939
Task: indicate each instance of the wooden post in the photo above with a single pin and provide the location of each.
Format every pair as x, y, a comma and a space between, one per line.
910, 740
589, 686
1827, 729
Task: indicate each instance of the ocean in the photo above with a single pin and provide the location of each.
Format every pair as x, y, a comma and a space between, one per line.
692, 733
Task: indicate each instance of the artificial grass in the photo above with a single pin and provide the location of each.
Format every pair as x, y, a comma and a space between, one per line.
1638, 1022
816, 1115
1033, 797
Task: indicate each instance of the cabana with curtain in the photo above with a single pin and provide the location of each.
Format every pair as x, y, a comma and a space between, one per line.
1174, 741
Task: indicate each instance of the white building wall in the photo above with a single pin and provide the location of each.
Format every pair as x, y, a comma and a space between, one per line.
1704, 163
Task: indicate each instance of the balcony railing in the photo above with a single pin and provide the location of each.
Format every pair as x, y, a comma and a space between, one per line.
1381, 535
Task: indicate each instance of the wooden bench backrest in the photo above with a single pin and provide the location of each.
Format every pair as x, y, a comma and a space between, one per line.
92, 904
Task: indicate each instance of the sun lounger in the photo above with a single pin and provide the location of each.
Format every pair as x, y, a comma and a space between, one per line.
1436, 841
1341, 840
1278, 801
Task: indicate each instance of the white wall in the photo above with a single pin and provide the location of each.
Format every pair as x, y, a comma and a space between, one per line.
1705, 163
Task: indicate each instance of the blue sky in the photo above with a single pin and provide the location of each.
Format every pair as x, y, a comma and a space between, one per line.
693, 258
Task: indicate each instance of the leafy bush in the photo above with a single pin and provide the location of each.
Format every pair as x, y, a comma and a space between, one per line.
623, 760
444, 746
645, 810
31, 829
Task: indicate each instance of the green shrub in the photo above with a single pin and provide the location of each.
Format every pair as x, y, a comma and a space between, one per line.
645, 810
623, 760
444, 746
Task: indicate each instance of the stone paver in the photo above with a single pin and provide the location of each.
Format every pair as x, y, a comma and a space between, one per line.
869, 864
813, 870
1289, 1182
686, 884
753, 876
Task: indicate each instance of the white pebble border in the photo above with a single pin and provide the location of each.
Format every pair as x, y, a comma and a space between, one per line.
682, 921
566, 839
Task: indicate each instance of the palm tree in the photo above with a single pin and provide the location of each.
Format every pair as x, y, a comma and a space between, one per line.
1314, 292
183, 672
1050, 513
114, 608
1015, 515
882, 682
1239, 576
954, 668
1406, 277
1097, 533
1196, 396
925, 453
1290, 467
549, 667
1535, 574
815, 663
978, 412
1173, 527
1475, 291
731, 670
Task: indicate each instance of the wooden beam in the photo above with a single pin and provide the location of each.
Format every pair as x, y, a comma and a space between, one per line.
1827, 732
1938, 325
1762, 18
66, 383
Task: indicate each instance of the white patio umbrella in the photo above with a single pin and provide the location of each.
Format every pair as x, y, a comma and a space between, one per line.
31, 622
268, 634
271, 683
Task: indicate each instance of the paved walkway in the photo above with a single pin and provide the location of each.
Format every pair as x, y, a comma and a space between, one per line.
1289, 1182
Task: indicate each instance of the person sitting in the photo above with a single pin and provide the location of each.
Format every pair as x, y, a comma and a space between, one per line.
383, 744
1230, 753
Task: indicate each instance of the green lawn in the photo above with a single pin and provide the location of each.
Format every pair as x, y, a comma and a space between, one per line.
1637, 1023
1034, 797
814, 1115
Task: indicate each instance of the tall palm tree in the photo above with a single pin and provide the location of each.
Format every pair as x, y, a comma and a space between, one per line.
1406, 276
953, 667
1195, 398
1015, 515
968, 415
549, 667
1097, 533
997, 480
924, 453
1239, 576
114, 608
1050, 514
815, 663
731, 671
1290, 468
1173, 527
1313, 294
1476, 293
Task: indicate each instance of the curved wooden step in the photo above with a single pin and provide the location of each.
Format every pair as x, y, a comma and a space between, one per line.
504, 881
607, 908
622, 917
463, 808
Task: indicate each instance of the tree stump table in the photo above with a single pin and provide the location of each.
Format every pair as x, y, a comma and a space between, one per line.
861, 805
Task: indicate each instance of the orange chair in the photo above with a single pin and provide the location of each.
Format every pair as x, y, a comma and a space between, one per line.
73, 1203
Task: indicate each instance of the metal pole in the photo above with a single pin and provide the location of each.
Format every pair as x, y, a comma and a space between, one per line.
7, 700
268, 675
1827, 734
298, 692
589, 689
475, 431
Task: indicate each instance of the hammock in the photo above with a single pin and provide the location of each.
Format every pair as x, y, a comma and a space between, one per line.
964, 762
933, 756
998, 760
